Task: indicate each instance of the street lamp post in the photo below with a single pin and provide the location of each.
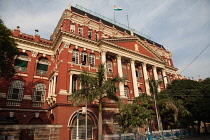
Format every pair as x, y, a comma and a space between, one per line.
77, 137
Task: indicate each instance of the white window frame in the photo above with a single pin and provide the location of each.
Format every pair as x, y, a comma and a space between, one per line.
109, 67
84, 58
38, 89
126, 92
89, 34
75, 56
92, 59
72, 28
80, 30
18, 85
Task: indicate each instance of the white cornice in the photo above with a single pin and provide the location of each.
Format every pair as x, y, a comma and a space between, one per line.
33, 46
77, 40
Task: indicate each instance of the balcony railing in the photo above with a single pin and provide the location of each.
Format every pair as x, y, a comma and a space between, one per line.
41, 72
22, 69
37, 104
13, 103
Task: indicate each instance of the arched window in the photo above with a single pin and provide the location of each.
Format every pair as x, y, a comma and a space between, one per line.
84, 58
126, 92
92, 59
42, 66
75, 55
21, 62
16, 90
82, 128
109, 67
39, 92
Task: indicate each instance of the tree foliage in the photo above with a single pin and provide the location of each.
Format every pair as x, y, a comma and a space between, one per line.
135, 114
8, 50
195, 97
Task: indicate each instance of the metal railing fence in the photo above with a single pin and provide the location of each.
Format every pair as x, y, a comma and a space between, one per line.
153, 135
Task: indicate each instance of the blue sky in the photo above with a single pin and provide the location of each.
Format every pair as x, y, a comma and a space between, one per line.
183, 26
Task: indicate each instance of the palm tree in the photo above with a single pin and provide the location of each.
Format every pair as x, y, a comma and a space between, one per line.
95, 88
167, 108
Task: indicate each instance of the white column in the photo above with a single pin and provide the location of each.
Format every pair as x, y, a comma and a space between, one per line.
54, 84
119, 67
103, 61
146, 78
155, 72
154, 69
164, 78
135, 86
70, 83
103, 57
49, 89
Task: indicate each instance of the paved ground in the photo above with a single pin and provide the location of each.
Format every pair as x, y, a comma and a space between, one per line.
198, 138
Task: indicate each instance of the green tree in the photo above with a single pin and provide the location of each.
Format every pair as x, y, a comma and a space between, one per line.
189, 93
135, 114
205, 101
168, 110
96, 88
172, 111
8, 50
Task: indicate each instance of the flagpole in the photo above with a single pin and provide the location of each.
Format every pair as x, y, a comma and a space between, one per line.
114, 15
128, 21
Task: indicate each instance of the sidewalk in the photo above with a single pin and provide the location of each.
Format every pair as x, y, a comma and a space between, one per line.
198, 138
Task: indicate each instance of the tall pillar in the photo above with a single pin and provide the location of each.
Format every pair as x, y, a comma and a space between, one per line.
164, 78
49, 89
135, 86
146, 78
103, 61
54, 84
119, 67
103, 57
154, 69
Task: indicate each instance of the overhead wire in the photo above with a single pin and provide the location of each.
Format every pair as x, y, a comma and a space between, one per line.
195, 58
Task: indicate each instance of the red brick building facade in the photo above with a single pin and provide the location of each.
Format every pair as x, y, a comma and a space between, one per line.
47, 73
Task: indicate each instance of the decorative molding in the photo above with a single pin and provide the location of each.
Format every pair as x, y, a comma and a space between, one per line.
40, 77
34, 53
27, 97
63, 92
3, 95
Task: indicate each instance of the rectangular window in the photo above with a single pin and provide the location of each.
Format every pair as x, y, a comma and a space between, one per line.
74, 84
75, 57
80, 31
38, 96
89, 34
84, 58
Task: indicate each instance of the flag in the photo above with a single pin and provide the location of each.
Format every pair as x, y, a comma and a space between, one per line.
117, 8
